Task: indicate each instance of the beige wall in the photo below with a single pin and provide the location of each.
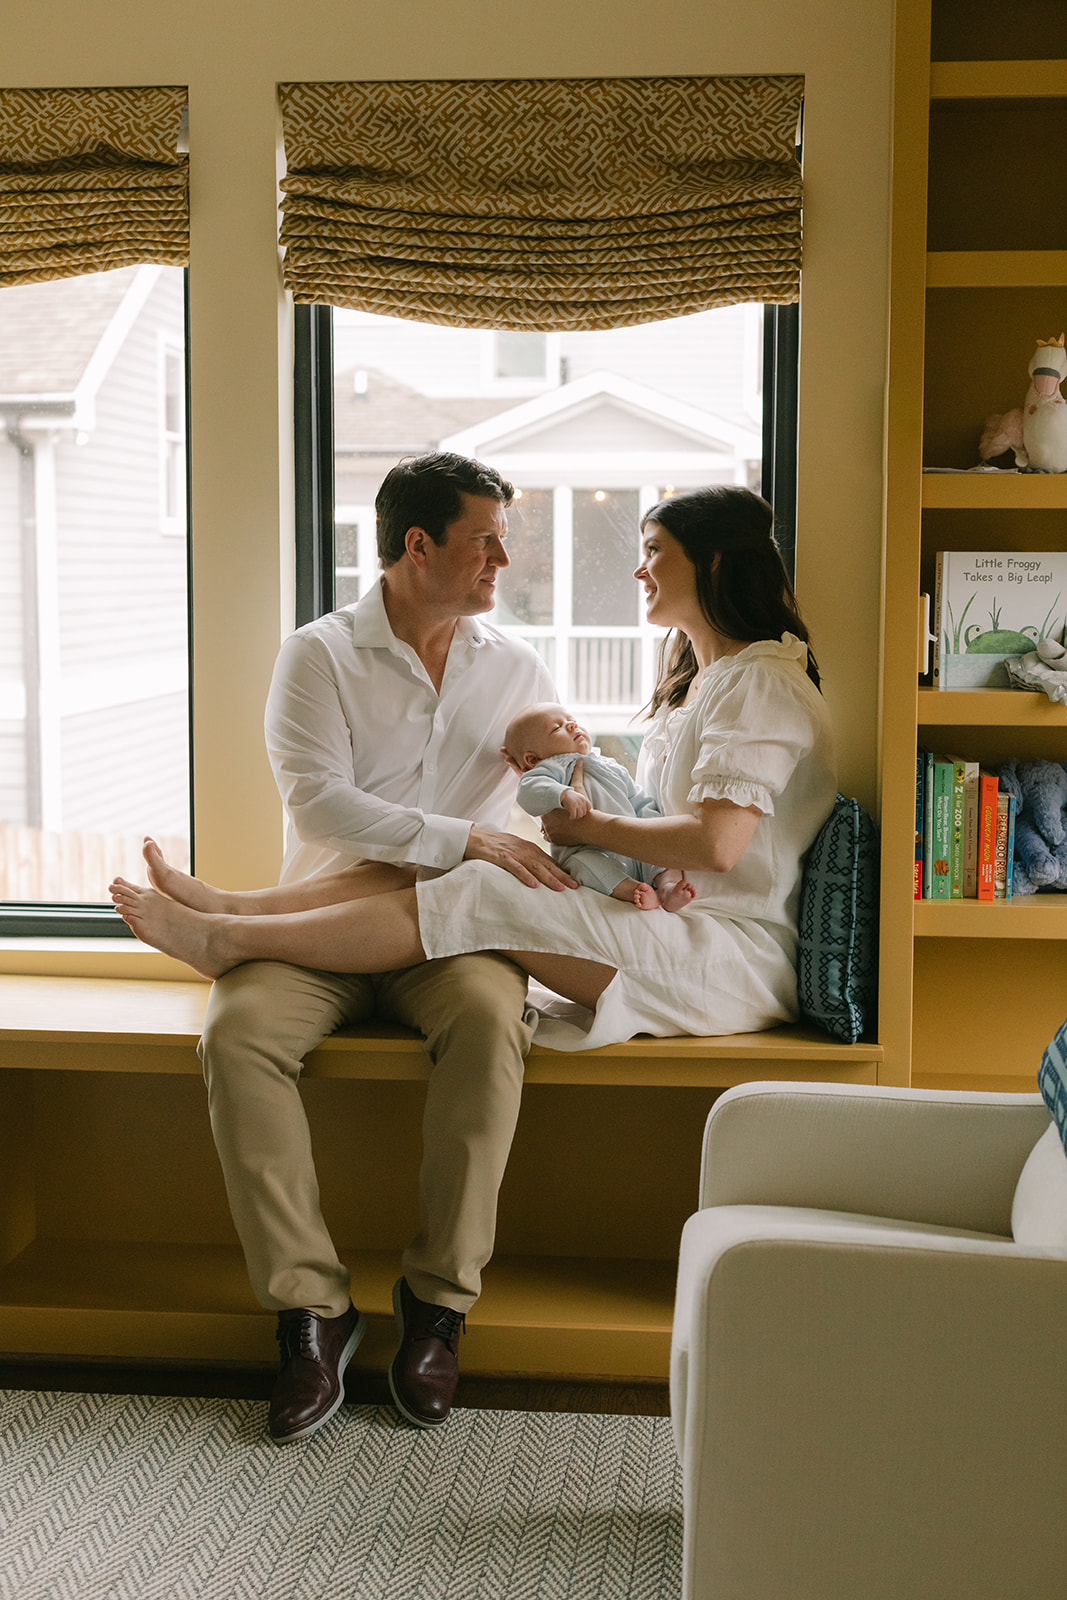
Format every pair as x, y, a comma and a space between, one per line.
231, 53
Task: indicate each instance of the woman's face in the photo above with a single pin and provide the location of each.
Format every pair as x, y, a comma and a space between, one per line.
669, 578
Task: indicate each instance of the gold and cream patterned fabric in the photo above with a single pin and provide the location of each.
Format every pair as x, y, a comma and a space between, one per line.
542, 203
91, 179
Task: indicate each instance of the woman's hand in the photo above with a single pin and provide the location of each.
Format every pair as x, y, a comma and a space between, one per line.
565, 827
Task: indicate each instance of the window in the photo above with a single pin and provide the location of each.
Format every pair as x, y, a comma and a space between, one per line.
173, 439
94, 716
630, 416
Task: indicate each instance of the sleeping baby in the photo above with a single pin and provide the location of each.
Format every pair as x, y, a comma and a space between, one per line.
543, 743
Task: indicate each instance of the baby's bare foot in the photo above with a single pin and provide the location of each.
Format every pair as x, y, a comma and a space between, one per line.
191, 936
178, 885
677, 896
645, 897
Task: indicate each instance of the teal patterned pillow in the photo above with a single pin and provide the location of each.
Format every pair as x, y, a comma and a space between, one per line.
837, 954
1052, 1081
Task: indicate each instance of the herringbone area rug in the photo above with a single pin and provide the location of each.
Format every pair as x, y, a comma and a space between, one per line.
127, 1497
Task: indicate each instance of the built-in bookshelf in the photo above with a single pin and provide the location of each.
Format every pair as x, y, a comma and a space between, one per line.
970, 991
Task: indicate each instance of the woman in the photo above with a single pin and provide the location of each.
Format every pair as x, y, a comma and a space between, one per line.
738, 753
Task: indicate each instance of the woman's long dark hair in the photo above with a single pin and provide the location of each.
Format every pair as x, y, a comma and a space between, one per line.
745, 595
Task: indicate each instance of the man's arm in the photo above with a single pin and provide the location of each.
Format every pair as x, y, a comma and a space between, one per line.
309, 742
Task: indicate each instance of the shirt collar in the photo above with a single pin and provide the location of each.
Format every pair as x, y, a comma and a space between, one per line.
371, 630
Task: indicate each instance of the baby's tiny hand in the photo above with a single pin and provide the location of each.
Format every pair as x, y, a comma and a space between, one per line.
575, 805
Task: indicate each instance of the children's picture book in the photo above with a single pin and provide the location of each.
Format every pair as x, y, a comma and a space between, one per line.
991, 604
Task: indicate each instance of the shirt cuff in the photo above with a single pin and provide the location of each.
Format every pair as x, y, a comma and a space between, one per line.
442, 842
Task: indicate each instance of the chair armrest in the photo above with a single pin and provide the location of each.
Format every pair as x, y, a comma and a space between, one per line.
924, 1155
841, 1391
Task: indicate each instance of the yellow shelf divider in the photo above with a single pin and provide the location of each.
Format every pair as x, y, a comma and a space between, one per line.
1032, 916
989, 708
995, 491
993, 80
996, 269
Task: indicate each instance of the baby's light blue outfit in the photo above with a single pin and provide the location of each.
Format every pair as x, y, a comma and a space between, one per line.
610, 788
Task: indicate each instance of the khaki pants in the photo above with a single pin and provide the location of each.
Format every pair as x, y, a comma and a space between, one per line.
262, 1019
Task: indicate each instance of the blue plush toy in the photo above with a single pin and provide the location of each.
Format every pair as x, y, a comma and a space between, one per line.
1040, 790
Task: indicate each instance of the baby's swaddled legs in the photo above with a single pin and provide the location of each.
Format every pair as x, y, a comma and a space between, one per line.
672, 889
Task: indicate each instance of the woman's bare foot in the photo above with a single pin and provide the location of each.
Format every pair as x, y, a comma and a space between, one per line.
198, 939
673, 891
180, 886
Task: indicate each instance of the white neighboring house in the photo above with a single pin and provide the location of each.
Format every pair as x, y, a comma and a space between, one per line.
588, 450
93, 630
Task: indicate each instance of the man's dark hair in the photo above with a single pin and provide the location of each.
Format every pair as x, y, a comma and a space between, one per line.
427, 492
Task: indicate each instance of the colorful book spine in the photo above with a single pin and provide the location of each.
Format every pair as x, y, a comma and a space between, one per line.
928, 824
1000, 858
987, 833
970, 832
955, 854
940, 870
920, 785
1010, 855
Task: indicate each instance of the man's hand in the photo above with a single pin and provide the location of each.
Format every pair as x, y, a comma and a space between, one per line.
523, 859
574, 804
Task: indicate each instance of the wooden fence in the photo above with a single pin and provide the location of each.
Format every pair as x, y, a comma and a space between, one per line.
64, 867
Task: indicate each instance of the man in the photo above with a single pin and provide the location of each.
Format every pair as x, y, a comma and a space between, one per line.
384, 725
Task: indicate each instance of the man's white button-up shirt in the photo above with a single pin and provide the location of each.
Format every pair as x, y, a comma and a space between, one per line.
371, 762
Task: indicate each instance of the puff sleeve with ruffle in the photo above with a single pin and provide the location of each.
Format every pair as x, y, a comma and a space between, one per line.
754, 734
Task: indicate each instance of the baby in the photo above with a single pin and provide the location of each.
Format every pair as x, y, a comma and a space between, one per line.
543, 743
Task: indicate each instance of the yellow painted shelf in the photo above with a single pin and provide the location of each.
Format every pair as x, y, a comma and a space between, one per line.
130, 1025
998, 80
539, 1315
996, 269
989, 708
1032, 916
994, 491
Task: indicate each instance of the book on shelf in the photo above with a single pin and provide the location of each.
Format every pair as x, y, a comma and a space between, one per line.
992, 604
939, 802
956, 819
1005, 831
928, 821
970, 830
988, 784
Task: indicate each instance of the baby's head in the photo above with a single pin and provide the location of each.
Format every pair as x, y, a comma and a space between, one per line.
540, 731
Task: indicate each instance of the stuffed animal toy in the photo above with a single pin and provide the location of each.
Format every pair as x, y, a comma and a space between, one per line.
1037, 432
1040, 790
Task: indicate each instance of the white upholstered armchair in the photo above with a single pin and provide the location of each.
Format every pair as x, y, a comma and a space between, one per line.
869, 1373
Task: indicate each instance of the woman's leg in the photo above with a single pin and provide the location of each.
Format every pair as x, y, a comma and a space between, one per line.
326, 889
570, 976
352, 937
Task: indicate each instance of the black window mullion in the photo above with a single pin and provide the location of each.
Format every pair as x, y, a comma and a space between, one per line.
313, 461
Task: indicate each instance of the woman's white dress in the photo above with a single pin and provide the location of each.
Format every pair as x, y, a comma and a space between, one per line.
756, 732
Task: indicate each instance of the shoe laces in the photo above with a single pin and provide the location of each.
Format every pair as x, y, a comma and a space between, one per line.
293, 1334
446, 1324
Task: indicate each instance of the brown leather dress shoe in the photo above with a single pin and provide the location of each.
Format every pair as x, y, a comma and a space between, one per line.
315, 1352
425, 1370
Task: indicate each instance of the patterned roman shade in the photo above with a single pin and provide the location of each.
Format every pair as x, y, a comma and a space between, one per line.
91, 179
542, 203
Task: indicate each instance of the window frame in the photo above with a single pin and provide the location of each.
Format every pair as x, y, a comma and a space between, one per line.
74, 919
314, 464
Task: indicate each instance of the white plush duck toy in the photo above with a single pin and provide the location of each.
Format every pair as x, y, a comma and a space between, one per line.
1038, 432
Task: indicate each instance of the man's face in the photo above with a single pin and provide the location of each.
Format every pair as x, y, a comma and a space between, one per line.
461, 573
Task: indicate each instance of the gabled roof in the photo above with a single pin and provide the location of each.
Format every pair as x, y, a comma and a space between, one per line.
532, 426
389, 416
58, 339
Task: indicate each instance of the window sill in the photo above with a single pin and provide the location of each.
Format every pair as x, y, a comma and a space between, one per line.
89, 958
